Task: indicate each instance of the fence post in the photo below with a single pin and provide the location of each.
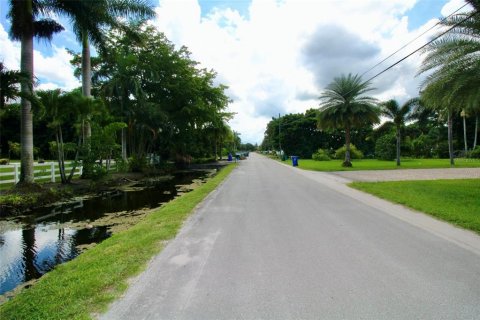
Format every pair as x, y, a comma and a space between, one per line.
80, 169
15, 173
52, 171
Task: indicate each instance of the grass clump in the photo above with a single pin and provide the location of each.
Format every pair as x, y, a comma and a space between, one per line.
20, 198
86, 285
455, 201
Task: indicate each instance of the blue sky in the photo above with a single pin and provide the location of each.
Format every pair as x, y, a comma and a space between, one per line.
275, 55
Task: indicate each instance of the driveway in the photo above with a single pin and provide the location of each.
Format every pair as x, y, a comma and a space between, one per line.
410, 174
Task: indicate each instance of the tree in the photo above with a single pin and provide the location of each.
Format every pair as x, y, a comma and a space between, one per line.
89, 19
454, 64
25, 26
344, 105
398, 115
9, 81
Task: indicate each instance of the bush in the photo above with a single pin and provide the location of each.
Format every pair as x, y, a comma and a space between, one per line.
385, 147
137, 164
475, 153
354, 152
98, 172
320, 155
4, 161
422, 147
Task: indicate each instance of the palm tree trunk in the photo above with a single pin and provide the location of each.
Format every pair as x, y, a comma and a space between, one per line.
476, 132
347, 162
75, 161
61, 159
398, 146
450, 138
26, 125
465, 134
86, 79
124, 144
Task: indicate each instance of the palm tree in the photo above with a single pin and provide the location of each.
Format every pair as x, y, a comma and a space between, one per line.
437, 96
25, 27
343, 105
454, 63
9, 81
399, 115
89, 20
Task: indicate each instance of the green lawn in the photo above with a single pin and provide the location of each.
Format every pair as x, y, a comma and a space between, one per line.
372, 164
87, 284
455, 201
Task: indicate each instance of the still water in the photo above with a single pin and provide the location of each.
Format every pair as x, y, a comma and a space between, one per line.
33, 245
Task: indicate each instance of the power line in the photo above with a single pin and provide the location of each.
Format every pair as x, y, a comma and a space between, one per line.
404, 46
420, 48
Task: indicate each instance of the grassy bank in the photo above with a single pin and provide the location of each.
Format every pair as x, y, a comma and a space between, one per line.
455, 201
372, 164
86, 285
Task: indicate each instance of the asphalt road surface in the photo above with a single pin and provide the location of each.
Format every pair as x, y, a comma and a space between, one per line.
276, 242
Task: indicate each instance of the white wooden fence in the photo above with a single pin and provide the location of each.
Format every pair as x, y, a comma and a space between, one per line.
47, 171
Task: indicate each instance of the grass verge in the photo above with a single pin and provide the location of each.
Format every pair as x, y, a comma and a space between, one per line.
87, 284
372, 164
455, 201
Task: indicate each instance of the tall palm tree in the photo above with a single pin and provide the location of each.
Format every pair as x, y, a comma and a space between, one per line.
25, 26
454, 63
90, 19
399, 115
344, 105
437, 96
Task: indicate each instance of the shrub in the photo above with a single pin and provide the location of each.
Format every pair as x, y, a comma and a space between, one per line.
4, 161
385, 147
422, 147
475, 153
98, 172
137, 164
354, 152
320, 155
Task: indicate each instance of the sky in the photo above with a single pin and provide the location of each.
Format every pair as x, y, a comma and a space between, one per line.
276, 56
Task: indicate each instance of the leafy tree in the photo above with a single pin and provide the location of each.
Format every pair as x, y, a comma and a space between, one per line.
344, 105
385, 147
25, 26
398, 115
89, 19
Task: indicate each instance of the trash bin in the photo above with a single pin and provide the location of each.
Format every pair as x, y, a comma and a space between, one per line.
295, 161
230, 157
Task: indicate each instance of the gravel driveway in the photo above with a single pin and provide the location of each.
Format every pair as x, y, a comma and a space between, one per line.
410, 174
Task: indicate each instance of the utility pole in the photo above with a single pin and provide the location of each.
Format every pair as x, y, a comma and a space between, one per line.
279, 139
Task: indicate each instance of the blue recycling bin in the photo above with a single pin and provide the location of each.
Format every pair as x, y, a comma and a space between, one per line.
230, 157
295, 161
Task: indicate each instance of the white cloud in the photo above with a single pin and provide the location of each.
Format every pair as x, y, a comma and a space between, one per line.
10, 52
53, 71
56, 70
280, 57
453, 5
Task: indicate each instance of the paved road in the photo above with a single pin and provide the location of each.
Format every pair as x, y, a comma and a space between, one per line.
275, 242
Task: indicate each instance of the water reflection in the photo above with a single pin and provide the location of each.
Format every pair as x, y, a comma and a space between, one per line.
41, 249
41, 241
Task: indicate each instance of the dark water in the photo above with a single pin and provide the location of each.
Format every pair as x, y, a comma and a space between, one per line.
32, 246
